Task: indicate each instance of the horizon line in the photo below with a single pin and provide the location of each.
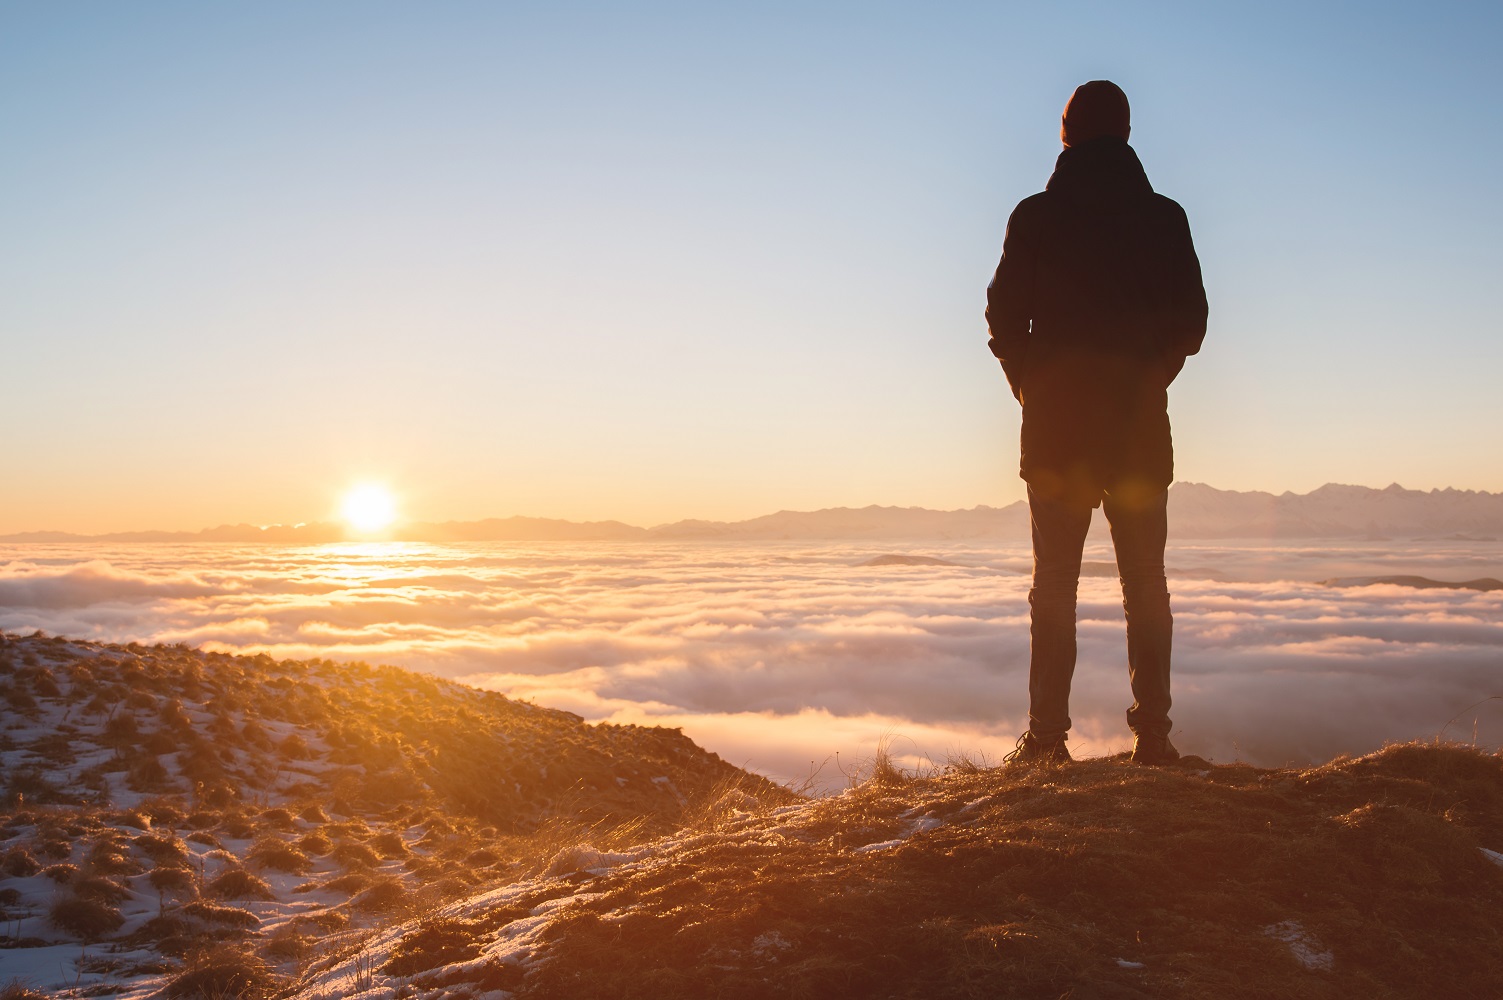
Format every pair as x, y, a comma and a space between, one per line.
351, 535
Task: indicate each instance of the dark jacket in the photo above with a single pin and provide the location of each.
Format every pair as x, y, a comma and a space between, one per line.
1095, 305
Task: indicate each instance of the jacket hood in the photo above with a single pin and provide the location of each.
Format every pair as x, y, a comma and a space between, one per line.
1099, 173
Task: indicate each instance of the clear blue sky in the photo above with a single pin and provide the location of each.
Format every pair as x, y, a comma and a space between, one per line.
584, 261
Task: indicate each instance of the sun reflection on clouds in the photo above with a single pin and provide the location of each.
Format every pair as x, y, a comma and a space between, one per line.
775, 654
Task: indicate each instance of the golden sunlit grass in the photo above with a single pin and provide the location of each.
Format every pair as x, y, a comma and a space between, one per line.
397, 797
369, 507
1101, 879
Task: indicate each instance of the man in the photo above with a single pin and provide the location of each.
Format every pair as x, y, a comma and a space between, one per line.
1095, 306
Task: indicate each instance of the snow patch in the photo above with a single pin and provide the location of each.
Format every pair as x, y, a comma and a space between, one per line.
880, 845
584, 858
1303, 946
915, 824
924, 824
666, 783
769, 944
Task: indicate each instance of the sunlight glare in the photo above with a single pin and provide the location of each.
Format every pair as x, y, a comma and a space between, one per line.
369, 508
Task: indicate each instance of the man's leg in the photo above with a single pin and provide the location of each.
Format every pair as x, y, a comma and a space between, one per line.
1139, 531
1059, 530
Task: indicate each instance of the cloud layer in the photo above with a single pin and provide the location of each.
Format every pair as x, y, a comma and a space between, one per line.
780, 656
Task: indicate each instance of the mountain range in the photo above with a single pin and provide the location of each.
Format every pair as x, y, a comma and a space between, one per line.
1196, 511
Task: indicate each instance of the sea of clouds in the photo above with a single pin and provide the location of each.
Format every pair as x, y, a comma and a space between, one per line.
791, 658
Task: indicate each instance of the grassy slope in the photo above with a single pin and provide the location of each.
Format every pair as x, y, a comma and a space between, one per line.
1097, 879
215, 727
160, 799
1100, 879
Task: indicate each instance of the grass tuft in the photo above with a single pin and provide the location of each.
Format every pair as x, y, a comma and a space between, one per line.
221, 973
86, 918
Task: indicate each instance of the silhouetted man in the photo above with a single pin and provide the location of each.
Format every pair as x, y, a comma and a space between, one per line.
1095, 306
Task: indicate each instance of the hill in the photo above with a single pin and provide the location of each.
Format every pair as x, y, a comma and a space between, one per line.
184, 824
1375, 877
155, 800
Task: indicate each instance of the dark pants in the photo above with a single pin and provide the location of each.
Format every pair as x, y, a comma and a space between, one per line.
1139, 531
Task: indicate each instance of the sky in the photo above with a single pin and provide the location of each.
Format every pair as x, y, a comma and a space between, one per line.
792, 658
657, 261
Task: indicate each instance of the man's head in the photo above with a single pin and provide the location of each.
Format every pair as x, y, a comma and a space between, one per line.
1095, 109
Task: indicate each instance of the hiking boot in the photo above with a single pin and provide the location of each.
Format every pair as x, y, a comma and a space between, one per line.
1032, 749
1149, 749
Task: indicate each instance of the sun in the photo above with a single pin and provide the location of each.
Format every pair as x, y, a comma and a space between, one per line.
369, 507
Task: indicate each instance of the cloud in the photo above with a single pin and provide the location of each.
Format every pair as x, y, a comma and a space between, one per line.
90, 583
777, 654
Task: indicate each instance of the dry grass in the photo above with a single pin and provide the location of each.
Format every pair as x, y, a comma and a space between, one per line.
172, 880
111, 856
213, 913
324, 920
493, 791
734, 796
1035, 882
355, 856
61, 873
314, 843
237, 883
98, 887
86, 918
18, 990
278, 855
223, 972
290, 943
433, 943
388, 845
164, 850
278, 819
348, 883
384, 895
18, 863
314, 813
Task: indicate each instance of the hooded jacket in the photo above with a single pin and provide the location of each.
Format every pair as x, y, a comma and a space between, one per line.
1095, 305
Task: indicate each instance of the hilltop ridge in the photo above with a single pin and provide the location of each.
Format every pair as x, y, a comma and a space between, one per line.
1379, 876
